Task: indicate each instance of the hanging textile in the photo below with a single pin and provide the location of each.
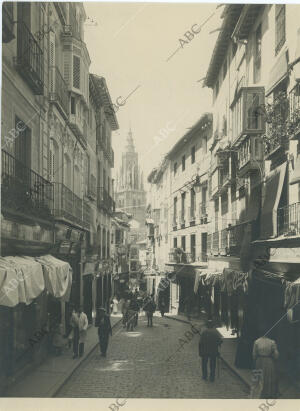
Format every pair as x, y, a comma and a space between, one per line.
292, 294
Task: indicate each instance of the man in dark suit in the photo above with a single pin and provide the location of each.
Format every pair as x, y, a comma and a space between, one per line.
210, 340
104, 329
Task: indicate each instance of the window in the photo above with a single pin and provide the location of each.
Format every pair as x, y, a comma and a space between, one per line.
183, 242
175, 242
76, 72
279, 27
193, 151
193, 247
175, 168
175, 209
182, 206
183, 162
257, 55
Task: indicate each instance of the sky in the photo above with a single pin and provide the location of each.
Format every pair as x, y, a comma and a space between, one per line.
132, 46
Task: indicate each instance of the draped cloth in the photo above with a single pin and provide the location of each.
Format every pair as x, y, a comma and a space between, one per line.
21, 280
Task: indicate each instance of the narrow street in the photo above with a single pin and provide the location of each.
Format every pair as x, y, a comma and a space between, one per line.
136, 366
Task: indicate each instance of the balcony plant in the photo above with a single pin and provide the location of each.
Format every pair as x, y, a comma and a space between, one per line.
277, 123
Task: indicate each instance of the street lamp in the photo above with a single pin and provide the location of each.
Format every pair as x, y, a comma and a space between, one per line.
197, 185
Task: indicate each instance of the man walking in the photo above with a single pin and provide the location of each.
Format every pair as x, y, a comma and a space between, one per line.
104, 330
79, 323
150, 307
210, 340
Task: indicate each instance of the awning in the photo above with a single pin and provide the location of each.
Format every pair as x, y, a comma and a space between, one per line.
296, 172
278, 72
292, 294
58, 276
21, 280
271, 194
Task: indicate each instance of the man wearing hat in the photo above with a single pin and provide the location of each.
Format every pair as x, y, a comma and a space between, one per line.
210, 340
104, 329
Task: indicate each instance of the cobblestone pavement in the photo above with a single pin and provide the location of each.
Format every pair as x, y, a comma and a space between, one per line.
136, 366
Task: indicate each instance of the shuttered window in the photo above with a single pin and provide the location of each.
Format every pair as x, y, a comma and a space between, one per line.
76, 72
279, 27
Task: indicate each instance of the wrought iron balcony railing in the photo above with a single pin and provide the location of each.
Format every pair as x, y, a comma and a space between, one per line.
30, 59
105, 201
294, 113
23, 190
59, 91
87, 214
288, 220
67, 204
7, 22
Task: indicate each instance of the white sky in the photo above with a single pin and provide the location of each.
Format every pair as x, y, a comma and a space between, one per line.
130, 46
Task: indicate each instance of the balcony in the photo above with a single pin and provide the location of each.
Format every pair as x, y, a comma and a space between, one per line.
293, 124
250, 155
24, 191
247, 116
7, 22
288, 220
276, 137
178, 256
104, 200
59, 91
68, 205
79, 128
30, 59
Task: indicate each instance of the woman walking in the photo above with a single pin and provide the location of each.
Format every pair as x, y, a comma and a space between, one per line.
264, 354
104, 330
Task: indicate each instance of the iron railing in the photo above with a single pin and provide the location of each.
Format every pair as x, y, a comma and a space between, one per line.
294, 111
67, 204
24, 190
288, 219
30, 59
58, 90
87, 214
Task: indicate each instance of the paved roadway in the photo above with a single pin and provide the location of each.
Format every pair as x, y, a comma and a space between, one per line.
137, 366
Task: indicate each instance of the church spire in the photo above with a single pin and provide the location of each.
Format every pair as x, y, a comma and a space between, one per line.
130, 143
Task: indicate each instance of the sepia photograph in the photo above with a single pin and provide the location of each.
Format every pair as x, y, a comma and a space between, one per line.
150, 203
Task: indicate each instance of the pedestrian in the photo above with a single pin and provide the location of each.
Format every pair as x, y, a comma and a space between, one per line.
75, 332
265, 353
104, 330
135, 308
150, 308
115, 305
210, 340
82, 327
162, 307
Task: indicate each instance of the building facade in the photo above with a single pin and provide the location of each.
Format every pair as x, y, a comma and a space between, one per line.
57, 190
254, 75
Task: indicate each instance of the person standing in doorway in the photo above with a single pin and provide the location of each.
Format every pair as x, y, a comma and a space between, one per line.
210, 340
104, 330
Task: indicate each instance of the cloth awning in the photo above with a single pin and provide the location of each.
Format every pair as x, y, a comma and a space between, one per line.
292, 294
271, 193
21, 280
295, 178
58, 276
278, 72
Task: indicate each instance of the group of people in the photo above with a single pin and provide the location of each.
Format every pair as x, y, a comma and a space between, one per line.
265, 354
